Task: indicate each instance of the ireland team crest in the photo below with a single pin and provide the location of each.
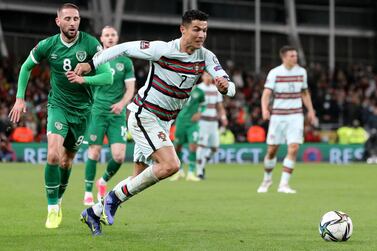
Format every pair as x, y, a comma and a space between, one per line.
81, 56
58, 126
119, 66
93, 137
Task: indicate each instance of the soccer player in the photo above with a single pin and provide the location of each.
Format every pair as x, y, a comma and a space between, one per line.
288, 86
175, 67
209, 141
69, 101
187, 131
109, 117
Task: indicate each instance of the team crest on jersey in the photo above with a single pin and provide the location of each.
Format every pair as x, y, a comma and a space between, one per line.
58, 126
196, 68
144, 44
161, 135
119, 66
93, 137
81, 56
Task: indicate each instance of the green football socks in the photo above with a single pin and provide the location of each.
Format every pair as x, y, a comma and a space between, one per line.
111, 170
90, 174
192, 161
64, 177
52, 183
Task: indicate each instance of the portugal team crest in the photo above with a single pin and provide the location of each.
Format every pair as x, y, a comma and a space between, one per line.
81, 56
93, 137
58, 126
161, 135
119, 66
196, 68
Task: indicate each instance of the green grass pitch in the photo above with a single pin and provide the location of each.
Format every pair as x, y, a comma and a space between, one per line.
222, 213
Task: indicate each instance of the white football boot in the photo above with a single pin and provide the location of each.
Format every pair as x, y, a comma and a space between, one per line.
263, 188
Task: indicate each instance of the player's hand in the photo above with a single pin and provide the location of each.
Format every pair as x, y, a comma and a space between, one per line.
224, 121
222, 84
18, 108
117, 108
74, 78
196, 117
266, 114
312, 118
82, 68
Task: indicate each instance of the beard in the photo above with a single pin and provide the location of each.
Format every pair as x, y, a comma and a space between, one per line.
69, 34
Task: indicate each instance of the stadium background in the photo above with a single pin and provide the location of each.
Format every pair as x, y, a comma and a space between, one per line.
336, 41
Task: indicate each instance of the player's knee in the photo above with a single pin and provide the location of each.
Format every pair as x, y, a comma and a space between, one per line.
118, 157
192, 147
171, 167
293, 149
53, 157
94, 153
66, 163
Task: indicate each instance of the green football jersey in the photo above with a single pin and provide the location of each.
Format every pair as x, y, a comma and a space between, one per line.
194, 105
107, 95
63, 57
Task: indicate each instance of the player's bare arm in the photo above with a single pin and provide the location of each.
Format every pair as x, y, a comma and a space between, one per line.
307, 100
265, 103
196, 117
128, 95
221, 111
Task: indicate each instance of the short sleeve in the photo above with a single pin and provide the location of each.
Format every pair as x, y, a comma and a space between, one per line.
219, 97
129, 69
94, 46
305, 80
270, 80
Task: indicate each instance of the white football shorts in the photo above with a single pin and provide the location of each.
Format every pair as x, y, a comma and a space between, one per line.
149, 133
286, 129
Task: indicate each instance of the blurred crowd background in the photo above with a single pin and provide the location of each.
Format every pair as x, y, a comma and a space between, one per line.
346, 98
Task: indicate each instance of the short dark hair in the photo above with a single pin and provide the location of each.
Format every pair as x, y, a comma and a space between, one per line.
68, 6
286, 48
191, 15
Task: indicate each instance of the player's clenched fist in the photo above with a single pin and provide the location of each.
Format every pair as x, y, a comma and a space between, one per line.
82, 68
266, 114
222, 84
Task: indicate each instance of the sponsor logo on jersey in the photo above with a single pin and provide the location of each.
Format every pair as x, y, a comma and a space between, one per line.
53, 56
144, 44
217, 68
58, 126
161, 135
81, 56
93, 137
119, 66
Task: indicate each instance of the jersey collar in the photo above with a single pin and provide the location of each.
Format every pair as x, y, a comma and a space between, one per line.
69, 45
